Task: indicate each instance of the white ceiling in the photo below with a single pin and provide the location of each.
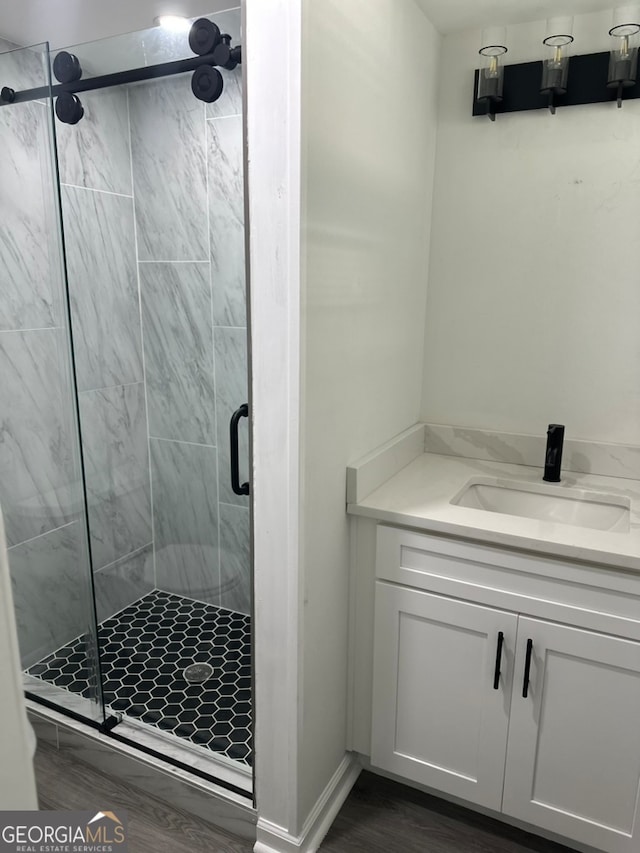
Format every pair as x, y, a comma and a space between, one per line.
451, 15
69, 22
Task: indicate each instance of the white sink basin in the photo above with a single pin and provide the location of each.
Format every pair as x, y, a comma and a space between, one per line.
547, 503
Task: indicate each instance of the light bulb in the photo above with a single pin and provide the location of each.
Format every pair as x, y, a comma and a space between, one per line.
624, 47
492, 68
557, 57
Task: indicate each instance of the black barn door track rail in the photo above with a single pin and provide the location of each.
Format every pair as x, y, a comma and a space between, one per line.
205, 39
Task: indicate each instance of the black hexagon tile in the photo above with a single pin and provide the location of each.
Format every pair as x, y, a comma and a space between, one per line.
145, 650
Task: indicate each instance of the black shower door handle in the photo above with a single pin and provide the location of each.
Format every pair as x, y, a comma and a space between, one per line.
242, 412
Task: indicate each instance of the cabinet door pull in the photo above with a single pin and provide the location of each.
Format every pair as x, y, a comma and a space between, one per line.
496, 675
527, 669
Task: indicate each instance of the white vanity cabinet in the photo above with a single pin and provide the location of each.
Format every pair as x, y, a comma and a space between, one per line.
512, 682
573, 754
437, 718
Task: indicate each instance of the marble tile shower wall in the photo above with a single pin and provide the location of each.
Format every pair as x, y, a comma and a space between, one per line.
153, 208
40, 492
188, 188
99, 228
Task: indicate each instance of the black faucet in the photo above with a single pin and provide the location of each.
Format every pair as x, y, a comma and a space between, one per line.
553, 455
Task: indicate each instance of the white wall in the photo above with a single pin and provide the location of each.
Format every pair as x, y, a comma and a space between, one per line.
534, 294
368, 103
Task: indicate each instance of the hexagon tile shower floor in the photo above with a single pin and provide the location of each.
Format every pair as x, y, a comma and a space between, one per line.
145, 650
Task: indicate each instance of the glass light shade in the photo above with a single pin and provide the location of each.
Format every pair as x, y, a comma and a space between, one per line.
623, 67
490, 83
555, 74
493, 41
626, 21
555, 68
491, 77
559, 31
623, 60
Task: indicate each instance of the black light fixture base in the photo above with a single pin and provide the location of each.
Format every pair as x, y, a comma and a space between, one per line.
587, 84
489, 104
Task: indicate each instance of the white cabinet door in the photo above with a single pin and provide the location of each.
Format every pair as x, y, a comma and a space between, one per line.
440, 715
573, 757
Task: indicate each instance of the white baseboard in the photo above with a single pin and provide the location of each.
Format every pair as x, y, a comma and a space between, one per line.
272, 838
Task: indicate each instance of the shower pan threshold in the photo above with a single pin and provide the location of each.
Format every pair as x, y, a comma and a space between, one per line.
145, 650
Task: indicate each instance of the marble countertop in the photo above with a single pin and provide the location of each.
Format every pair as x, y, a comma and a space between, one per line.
420, 494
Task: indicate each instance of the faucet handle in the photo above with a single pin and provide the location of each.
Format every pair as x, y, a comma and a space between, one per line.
552, 428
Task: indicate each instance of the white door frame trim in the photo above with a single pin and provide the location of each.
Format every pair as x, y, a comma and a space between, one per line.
272, 44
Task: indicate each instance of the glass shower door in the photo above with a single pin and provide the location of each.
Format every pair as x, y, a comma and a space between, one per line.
123, 422
41, 473
153, 217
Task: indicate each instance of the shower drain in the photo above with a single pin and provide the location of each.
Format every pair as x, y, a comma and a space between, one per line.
196, 673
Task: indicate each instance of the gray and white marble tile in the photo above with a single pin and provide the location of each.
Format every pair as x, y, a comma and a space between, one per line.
30, 255
226, 218
50, 579
119, 585
96, 152
178, 345
185, 507
114, 435
230, 102
38, 483
235, 558
229, 21
103, 283
231, 392
23, 67
169, 171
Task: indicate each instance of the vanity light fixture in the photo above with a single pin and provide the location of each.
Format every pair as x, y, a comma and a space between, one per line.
173, 23
560, 80
555, 68
623, 59
491, 77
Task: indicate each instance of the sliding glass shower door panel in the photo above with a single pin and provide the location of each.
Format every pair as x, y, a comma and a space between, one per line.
41, 473
153, 216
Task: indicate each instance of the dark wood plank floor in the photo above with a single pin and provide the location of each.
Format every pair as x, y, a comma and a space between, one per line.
153, 827
380, 816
